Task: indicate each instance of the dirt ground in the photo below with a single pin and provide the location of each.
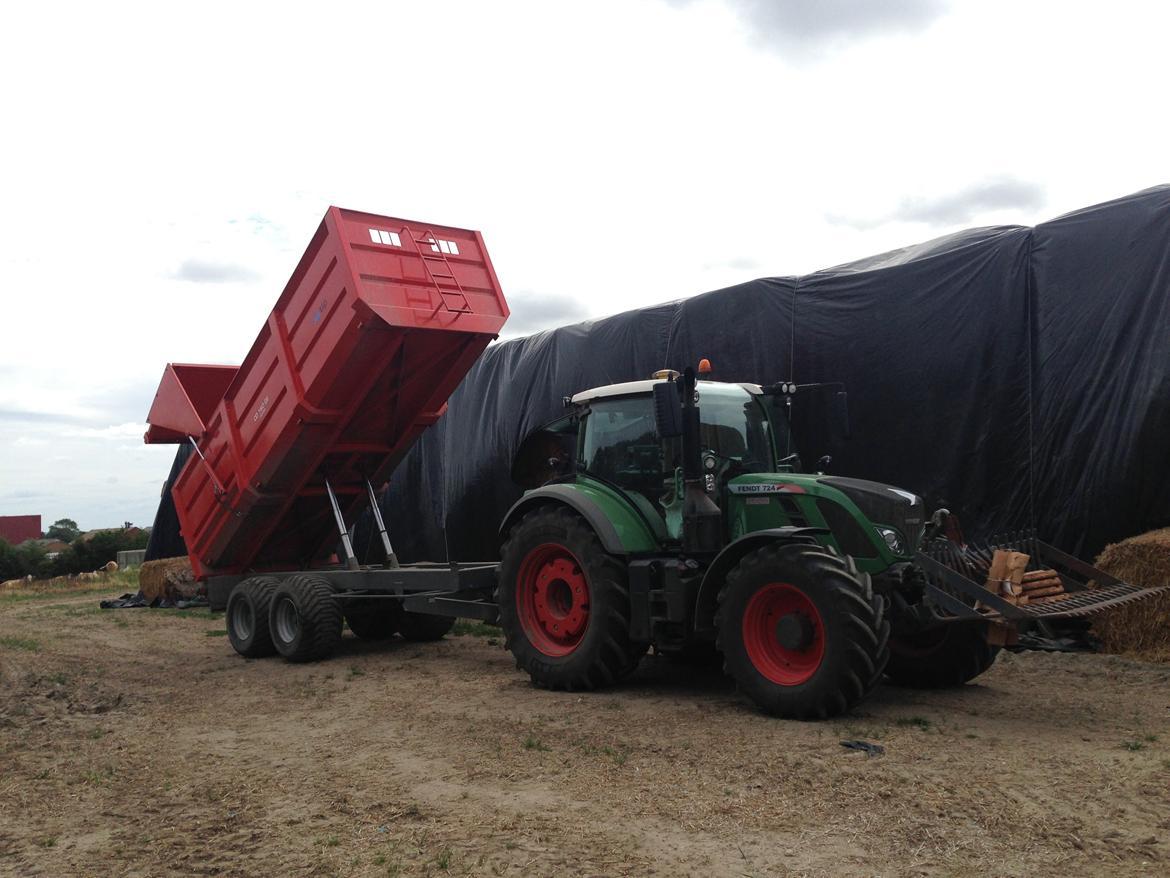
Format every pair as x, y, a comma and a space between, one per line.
135, 742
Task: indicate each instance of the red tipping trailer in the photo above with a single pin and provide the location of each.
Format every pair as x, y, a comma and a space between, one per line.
376, 327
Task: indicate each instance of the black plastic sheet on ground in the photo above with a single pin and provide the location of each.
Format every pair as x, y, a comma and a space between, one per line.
1020, 376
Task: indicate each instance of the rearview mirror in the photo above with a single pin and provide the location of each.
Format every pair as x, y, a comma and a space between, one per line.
667, 410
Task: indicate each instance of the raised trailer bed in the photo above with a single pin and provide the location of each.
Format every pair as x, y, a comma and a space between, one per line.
377, 326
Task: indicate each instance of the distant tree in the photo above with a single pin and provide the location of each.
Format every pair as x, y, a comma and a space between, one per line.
63, 529
11, 564
34, 559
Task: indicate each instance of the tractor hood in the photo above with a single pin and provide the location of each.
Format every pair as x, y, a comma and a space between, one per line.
882, 504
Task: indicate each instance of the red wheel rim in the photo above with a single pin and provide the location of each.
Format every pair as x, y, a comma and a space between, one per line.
552, 599
783, 634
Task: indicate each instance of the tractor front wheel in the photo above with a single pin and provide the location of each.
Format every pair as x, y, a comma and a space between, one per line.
564, 603
940, 658
801, 631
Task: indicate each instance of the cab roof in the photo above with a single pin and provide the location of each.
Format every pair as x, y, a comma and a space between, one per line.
635, 388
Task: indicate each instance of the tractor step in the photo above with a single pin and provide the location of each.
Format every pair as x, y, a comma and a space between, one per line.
958, 574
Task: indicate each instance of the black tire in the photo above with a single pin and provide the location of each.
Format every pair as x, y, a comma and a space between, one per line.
700, 656
375, 619
591, 653
305, 619
247, 616
421, 627
801, 631
942, 658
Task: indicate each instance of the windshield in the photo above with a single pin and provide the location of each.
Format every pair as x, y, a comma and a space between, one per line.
620, 443
735, 426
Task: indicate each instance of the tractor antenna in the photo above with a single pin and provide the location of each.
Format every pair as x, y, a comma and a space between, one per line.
447, 547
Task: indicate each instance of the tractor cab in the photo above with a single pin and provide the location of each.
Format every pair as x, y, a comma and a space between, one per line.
620, 444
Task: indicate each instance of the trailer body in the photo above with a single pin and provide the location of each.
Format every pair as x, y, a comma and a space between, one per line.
377, 326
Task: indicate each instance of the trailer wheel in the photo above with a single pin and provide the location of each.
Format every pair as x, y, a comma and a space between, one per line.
423, 627
373, 620
247, 616
801, 631
564, 603
941, 658
305, 619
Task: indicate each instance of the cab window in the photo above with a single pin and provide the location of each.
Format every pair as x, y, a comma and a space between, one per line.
621, 446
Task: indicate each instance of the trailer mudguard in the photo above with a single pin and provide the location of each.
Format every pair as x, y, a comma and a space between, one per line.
707, 600
621, 530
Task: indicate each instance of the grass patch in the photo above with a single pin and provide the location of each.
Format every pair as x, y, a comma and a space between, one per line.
25, 643
32, 593
355, 671
65, 587
466, 628
192, 613
619, 757
534, 743
1133, 746
918, 722
48, 841
216, 632
96, 777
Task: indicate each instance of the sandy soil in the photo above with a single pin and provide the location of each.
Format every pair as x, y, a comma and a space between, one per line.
135, 742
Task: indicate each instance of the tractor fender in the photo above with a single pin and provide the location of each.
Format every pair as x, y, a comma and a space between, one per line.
619, 527
707, 600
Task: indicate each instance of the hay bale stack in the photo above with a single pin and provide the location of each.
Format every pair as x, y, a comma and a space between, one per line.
1142, 629
169, 578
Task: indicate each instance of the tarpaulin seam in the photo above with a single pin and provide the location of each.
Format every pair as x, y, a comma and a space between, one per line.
792, 338
1029, 298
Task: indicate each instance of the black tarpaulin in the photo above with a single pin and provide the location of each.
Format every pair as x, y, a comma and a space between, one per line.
1021, 376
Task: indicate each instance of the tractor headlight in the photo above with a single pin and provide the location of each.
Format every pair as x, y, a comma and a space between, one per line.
893, 540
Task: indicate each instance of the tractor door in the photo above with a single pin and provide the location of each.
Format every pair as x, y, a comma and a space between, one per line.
620, 445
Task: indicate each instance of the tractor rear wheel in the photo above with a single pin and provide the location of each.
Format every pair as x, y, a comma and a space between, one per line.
564, 603
801, 631
940, 658
247, 616
376, 619
305, 619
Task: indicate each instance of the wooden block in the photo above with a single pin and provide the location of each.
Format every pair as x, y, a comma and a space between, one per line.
1045, 592
1002, 634
1006, 574
1042, 583
1039, 574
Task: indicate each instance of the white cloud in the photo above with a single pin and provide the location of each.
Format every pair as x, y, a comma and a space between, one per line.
116, 431
614, 154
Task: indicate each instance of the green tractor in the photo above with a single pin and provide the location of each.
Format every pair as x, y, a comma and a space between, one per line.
667, 513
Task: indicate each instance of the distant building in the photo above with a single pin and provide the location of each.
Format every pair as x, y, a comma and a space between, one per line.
15, 529
53, 548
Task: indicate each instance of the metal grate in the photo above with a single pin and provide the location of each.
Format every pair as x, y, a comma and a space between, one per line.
1087, 590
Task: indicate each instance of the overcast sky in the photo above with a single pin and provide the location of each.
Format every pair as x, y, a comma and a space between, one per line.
165, 164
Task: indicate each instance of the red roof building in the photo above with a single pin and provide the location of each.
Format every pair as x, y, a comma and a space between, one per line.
15, 529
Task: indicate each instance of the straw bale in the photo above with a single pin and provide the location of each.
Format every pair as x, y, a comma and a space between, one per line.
169, 578
1141, 629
